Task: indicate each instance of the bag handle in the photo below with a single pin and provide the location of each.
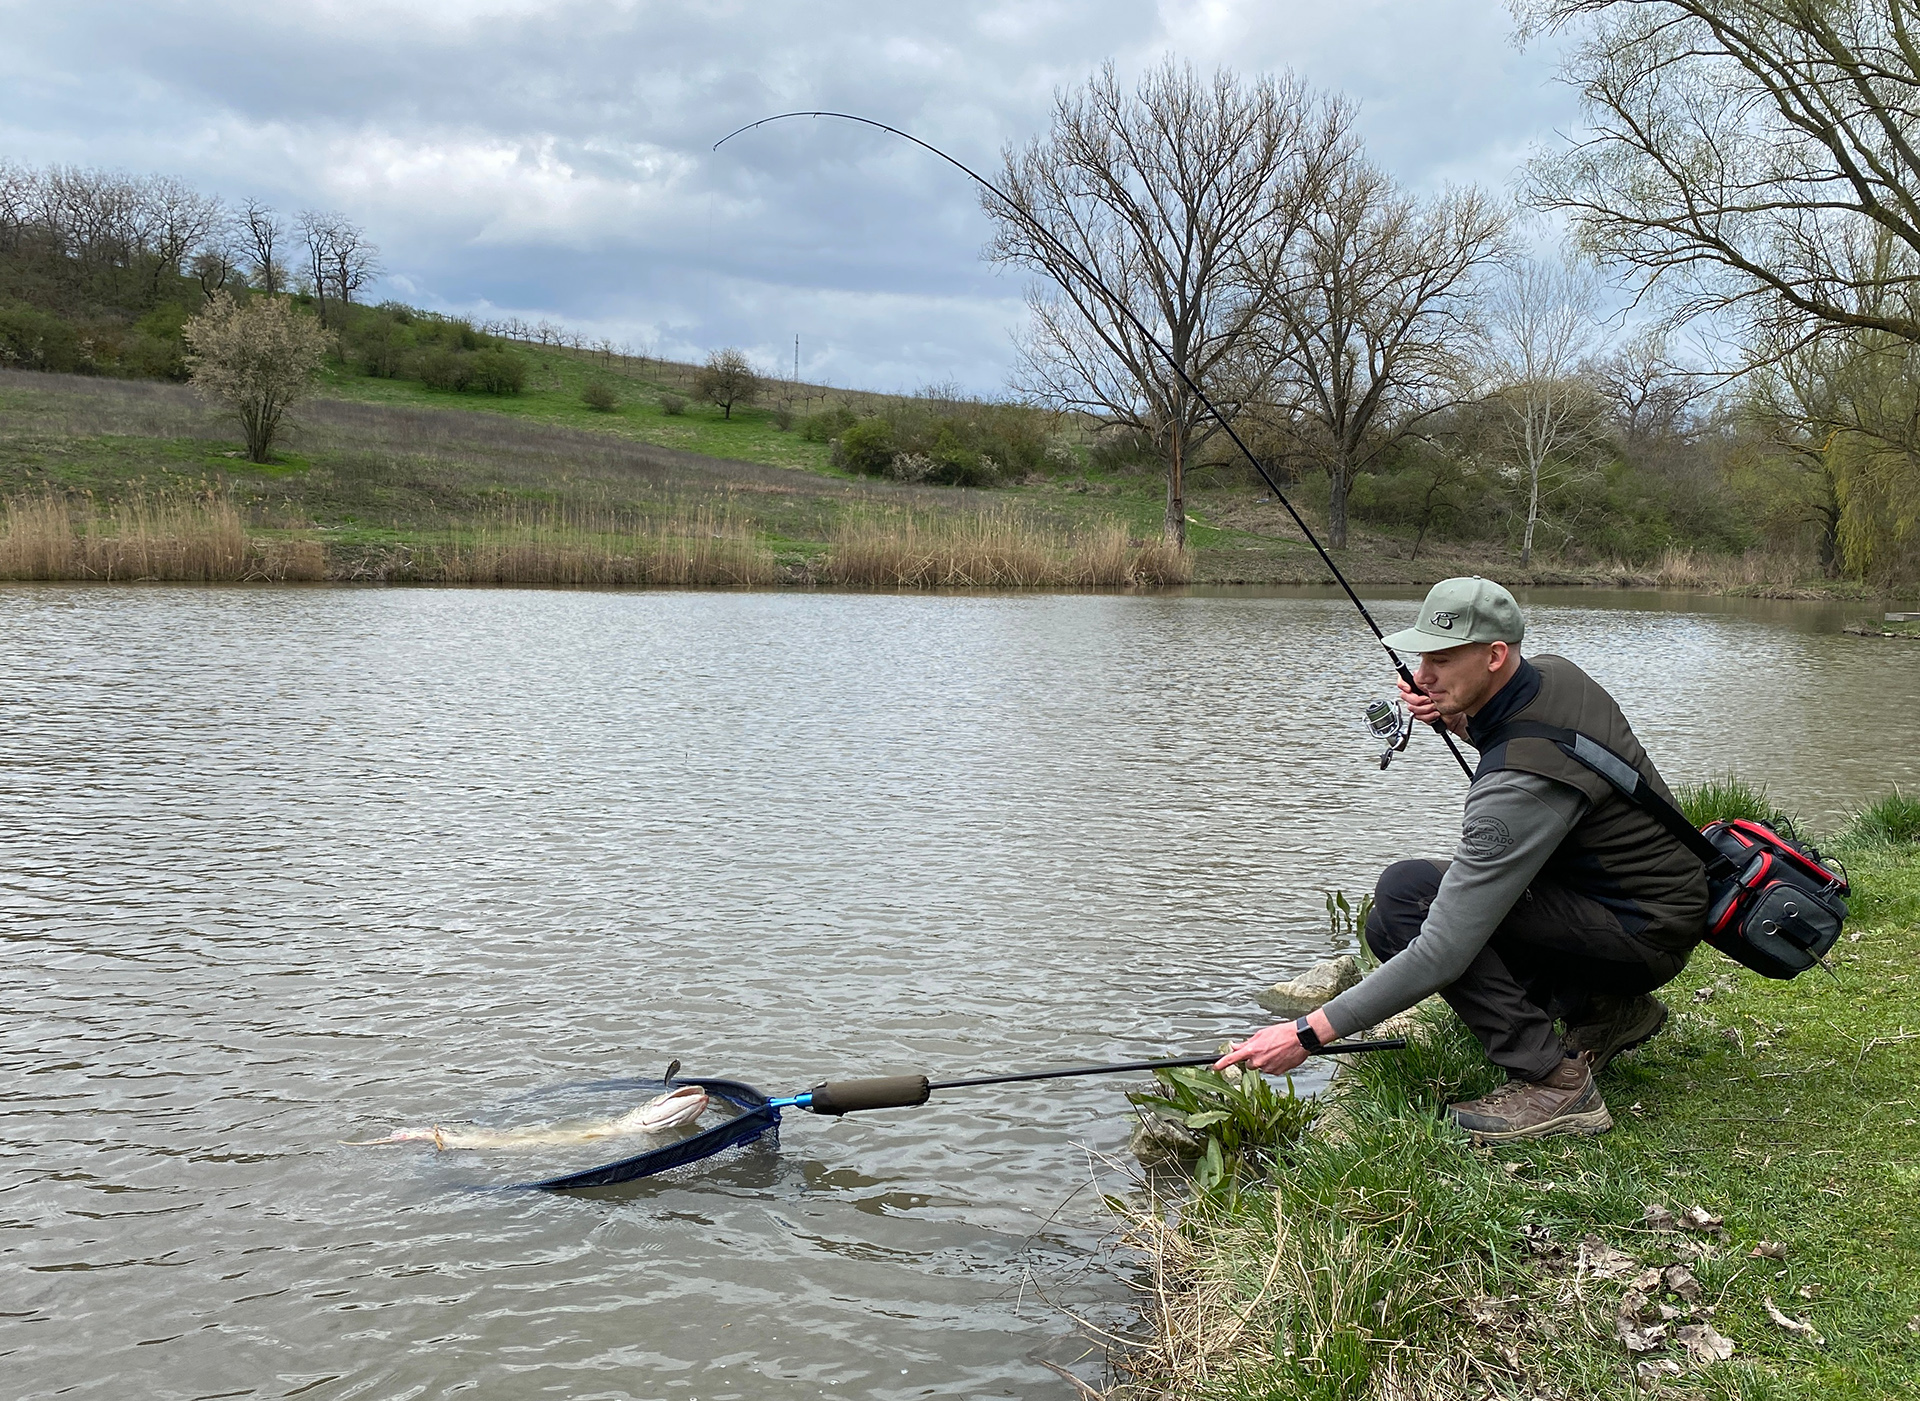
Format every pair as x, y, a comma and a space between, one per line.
1629, 782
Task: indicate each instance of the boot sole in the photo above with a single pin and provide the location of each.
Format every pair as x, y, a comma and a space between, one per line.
1593, 1121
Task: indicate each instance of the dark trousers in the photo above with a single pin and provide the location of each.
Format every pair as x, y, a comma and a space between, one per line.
1554, 952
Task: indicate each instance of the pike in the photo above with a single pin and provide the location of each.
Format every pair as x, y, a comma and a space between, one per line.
662, 1112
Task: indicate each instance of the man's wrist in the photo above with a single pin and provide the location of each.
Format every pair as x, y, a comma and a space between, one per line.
1309, 1037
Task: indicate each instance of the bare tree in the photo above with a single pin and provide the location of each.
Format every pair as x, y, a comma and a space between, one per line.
1162, 193
258, 358
1371, 317
316, 233
340, 259
354, 258
1739, 151
264, 235
1541, 325
1653, 396
179, 219
19, 204
727, 379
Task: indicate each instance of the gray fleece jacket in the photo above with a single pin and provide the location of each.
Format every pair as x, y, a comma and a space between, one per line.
1512, 823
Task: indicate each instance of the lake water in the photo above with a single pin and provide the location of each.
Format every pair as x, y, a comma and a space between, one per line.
281, 867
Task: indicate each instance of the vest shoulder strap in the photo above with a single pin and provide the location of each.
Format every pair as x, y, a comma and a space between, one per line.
1627, 781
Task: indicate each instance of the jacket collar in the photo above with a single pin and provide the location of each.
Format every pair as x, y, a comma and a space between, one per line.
1507, 702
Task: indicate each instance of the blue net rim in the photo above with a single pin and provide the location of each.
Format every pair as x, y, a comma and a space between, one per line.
756, 1117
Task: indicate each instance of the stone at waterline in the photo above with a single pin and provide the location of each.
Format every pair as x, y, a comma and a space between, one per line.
1317, 986
1160, 1141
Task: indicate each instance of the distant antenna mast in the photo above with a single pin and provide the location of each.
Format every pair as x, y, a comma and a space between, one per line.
796, 358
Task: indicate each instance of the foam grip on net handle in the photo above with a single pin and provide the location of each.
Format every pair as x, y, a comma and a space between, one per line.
851, 1096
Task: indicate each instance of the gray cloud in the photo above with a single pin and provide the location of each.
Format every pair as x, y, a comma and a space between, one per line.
552, 157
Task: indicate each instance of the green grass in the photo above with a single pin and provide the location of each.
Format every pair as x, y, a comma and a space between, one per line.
1727, 798
1411, 1260
553, 396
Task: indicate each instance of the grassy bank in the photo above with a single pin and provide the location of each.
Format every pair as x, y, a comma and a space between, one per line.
104, 479
387, 478
1389, 1259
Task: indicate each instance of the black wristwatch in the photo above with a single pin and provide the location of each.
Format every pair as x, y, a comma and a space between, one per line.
1308, 1036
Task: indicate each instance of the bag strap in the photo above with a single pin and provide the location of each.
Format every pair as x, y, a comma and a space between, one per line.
1628, 781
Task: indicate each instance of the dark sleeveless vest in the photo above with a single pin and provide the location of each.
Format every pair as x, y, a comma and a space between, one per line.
1616, 854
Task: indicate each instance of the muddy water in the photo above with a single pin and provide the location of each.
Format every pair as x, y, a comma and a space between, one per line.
283, 867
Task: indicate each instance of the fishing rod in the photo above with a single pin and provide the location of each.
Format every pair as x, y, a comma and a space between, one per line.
1079, 267
837, 1097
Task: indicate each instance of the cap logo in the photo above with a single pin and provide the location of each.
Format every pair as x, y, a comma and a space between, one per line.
1444, 619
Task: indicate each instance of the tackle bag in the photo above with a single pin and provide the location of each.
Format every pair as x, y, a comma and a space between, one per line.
1774, 904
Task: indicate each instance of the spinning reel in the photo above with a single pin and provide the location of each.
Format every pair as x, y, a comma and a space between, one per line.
1388, 722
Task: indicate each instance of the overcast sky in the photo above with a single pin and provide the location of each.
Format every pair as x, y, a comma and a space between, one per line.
551, 158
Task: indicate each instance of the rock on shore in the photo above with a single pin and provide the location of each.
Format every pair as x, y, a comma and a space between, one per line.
1317, 986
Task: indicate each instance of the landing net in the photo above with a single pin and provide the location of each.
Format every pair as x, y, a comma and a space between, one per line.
754, 1115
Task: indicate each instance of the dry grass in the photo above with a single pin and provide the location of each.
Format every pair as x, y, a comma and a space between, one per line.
604, 549
200, 540
1757, 571
993, 550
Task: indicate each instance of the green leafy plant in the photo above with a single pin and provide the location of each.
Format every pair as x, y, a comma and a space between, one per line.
1247, 1123
1345, 923
600, 396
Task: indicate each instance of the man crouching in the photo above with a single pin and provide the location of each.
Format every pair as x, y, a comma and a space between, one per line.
1563, 898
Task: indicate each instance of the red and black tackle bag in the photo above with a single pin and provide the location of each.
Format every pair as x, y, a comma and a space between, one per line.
1774, 904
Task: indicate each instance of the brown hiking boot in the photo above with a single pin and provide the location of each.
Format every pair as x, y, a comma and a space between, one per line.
1610, 1025
1567, 1101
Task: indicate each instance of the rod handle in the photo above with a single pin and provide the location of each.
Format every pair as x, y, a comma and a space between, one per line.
838, 1097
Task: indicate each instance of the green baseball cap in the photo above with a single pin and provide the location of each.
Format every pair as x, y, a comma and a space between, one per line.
1459, 611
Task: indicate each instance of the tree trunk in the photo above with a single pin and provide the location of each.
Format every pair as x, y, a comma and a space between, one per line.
1339, 480
1533, 512
1176, 525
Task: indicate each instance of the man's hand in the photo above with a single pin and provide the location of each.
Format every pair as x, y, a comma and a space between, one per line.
1422, 708
1277, 1049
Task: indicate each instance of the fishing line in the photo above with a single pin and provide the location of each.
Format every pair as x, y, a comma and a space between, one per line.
1035, 227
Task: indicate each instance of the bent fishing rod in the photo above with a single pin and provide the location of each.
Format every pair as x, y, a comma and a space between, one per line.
1087, 275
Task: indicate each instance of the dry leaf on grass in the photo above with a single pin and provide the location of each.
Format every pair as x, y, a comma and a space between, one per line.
1681, 1281
1642, 1339
1604, 1262
1799, 1327
1647, 1280
1658, 1218
1769, 1250
1811, 1291
1650, 1373
1696, 1218
1703, 1343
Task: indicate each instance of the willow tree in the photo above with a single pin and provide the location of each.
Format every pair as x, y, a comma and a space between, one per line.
1165, 193
1737, 153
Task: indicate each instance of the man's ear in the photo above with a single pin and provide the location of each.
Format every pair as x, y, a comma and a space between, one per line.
1496, 655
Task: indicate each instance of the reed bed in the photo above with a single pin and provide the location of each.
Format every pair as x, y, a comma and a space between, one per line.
993, 550
180, 539
601, 549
